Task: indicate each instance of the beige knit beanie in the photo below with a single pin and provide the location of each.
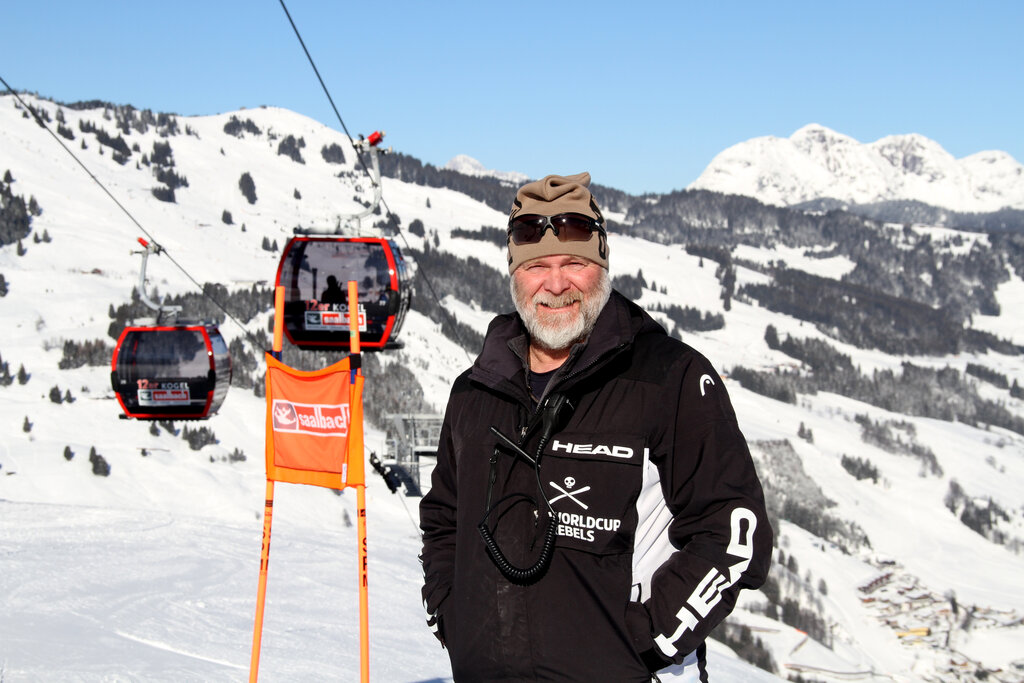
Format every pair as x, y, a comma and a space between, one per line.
550, 196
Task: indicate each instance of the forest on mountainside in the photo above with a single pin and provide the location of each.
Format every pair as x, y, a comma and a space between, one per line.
911, 211
910, 291
944, 394
15, 212
489, 191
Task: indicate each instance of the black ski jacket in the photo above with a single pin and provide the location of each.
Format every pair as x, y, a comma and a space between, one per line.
659, 515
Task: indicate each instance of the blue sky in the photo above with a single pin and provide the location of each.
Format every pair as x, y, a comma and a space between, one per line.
641, 94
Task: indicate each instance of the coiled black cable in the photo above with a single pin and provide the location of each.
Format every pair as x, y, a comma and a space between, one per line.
526, 575
520, 576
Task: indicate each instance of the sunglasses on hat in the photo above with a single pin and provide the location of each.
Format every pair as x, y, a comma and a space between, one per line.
568, 227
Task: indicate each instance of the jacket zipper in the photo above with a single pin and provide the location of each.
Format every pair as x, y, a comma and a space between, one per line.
578, 371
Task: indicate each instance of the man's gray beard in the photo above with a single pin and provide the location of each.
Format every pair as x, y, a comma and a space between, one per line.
559, 338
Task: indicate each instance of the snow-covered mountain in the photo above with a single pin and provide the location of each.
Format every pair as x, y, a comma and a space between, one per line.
816, 162
467, 165
150, 572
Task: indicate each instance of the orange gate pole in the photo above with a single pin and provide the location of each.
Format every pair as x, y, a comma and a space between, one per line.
257, 633
268, 511
364, 621
278, 321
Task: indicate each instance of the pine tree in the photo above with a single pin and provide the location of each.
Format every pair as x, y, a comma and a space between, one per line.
26, 425
805, 433
197, 438
332, 154
248, 187
1015, 390
68, 453
100, 466
23, 376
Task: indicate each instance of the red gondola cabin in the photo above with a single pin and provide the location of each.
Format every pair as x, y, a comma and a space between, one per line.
174, 372
315, 272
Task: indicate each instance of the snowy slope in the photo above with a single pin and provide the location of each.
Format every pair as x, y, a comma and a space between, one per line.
816, 162
150, 573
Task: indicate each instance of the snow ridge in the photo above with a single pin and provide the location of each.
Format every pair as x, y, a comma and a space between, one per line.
467, 165
817, 162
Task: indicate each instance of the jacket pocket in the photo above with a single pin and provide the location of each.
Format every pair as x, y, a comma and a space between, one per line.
592, 482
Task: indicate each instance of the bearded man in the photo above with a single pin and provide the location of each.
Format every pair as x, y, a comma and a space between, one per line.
594, 511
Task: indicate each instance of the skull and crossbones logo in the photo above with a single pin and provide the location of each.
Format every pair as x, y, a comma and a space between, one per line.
567, 492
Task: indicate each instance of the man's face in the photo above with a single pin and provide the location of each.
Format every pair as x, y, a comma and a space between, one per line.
559, 298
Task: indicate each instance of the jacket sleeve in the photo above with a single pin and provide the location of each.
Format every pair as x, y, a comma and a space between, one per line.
437, 521
721, 540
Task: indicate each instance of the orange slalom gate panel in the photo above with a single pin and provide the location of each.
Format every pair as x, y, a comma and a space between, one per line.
314, 425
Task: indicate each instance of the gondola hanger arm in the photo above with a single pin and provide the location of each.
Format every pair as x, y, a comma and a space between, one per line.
151, 248
353, 221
